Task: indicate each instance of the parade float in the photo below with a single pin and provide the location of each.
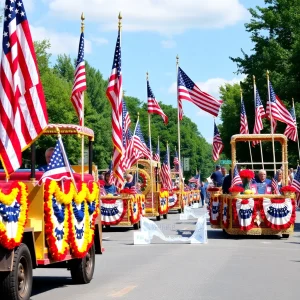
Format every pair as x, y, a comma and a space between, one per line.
243, 211
48, 224
127, 208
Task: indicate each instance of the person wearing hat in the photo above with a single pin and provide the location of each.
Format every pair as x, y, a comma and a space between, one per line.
217, 176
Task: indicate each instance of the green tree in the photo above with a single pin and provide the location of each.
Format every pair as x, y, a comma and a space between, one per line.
275, 33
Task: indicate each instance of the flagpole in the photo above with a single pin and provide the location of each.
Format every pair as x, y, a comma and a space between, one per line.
296, 128
272, 130
82, 101
150, 144
178, 121
261, 152
241, 91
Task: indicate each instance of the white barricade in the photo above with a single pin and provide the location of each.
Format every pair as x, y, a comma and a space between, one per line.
149, 229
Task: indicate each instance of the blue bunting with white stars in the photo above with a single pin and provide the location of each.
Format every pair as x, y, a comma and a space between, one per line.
278, 215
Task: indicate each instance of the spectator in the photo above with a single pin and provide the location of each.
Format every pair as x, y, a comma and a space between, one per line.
202, 193
217, 177
226, 183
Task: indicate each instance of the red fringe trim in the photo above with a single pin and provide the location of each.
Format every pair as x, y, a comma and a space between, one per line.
279, 227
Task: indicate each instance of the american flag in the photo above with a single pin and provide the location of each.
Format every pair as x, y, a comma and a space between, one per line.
114, 93
188, 90
244, 123
275, 184
277, 109
139, 133
259, 115
176, 162
217, 143
291, 132
296, 180
79, 85
236, 177
59, 166
165, 174
23, 111
125, 123
153, 106
156, 155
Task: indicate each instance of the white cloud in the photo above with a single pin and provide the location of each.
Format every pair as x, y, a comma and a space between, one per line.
164, 16
99, 41
168, 44
62, 43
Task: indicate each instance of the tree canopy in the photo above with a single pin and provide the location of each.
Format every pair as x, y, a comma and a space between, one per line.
57, 83
275, 33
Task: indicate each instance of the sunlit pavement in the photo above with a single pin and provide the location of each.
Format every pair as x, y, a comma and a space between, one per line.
226, 267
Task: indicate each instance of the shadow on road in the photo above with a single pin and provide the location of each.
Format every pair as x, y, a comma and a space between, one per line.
117, 229
42, 284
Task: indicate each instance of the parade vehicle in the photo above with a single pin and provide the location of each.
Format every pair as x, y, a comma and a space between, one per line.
48, 224
244, 211
127, 208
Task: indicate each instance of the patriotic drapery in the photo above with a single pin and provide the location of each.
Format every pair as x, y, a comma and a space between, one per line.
259, 115
153, 106
188, 90
277, 109
114, 94
79, 85
291, 132
217, 143
244, 123
23, 112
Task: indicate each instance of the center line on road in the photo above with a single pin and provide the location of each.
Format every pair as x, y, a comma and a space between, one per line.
123, 292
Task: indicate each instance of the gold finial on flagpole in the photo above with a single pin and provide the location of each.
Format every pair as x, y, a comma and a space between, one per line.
82, 22
177, 60
268, 74
241, 90
147, 75
253, 79
120, 21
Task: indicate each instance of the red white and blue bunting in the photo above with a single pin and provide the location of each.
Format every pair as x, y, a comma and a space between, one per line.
215, 212
142, 202
113, 211
278, 213
225, 214
163, 203
173, 199
245, 212
134, 210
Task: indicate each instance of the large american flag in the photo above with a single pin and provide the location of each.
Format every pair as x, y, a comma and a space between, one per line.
296, 180
153, 106
217, 143
79, 85
291, 132
23, 112
259, 115
236, 177
277, 109
244, 123
114, 93
165, 174
188, 90
59, 166
156, 155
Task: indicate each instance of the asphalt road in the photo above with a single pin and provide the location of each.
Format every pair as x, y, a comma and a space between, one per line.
235, 268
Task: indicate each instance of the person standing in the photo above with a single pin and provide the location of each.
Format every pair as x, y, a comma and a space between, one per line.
217, 177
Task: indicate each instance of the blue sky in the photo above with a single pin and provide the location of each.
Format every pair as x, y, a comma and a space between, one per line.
204, 33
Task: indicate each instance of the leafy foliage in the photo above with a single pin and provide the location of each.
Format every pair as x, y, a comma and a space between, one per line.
57, 82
